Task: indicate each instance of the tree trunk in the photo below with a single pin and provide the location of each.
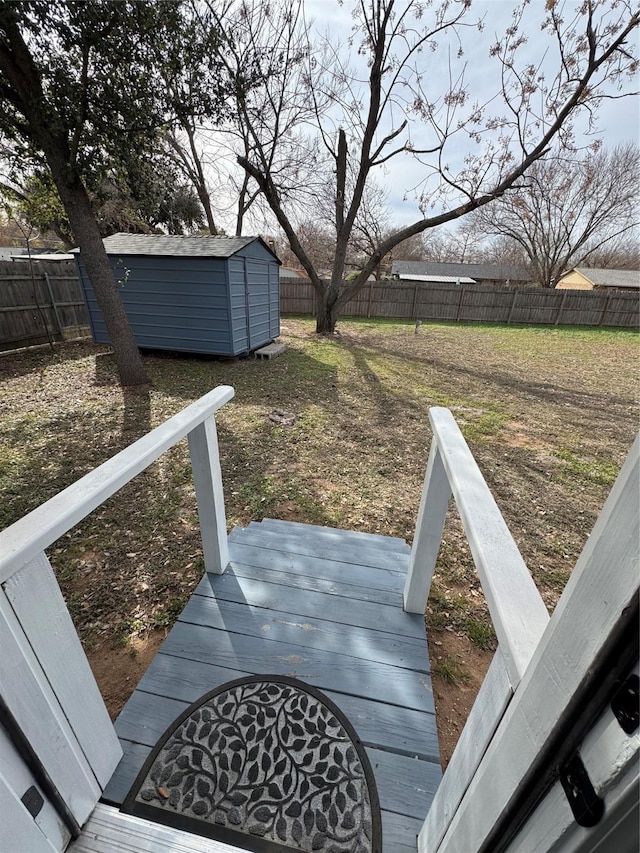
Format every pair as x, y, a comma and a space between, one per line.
205, 201
85, 230
326, 316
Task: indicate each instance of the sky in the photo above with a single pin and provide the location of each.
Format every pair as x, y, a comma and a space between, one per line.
619, 120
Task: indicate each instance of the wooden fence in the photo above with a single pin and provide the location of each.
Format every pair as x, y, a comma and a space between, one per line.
49, 306
476, 303
55, 309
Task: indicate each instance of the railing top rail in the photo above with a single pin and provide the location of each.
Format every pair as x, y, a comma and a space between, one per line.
22, 541
518, 612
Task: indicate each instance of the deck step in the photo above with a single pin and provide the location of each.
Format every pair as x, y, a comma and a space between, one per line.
108, 830
341, 551
333, 534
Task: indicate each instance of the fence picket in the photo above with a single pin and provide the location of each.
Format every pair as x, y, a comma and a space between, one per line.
57, 305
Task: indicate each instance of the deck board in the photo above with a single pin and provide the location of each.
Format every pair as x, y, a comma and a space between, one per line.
316, 571
343, 552
388, 617
149, 714
377, 540
288, 627
292, 603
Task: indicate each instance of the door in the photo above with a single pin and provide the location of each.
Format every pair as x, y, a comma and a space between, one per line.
30, 822
57, 744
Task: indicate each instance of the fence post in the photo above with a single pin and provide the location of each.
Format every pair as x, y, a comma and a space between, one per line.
428, 536
53, 303
370, 299
604, 310
513, 305
207, 479
414, 315
564, 299
460, 301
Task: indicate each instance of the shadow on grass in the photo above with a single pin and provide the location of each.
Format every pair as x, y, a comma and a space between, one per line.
14, 364
569, 397
51, 450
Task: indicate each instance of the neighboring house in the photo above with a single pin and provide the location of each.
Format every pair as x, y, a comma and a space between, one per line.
18, 253
210, 295
9, 253
583, 278
290, 272
478, 273
42, 256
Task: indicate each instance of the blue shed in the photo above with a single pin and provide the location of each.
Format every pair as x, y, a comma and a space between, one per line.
216, 295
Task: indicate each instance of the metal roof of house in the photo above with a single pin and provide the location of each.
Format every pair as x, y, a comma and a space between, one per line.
474, 271
611, 278
42, 256
441, 279
170, 246
13, 253
7, 253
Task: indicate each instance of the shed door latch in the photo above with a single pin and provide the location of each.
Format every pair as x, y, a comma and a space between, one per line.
626, 704
586, 805
33, 801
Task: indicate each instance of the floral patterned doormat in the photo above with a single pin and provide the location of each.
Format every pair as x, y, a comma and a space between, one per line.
266, 763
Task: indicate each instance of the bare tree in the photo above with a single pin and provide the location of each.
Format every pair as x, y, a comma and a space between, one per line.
622, 253
370, 226
563, 212
197, 92
266, 55
366, 118
318, 242
184, 143
461, 244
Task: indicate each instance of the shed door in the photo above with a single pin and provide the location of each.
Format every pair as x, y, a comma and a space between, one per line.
56, 734
257, 292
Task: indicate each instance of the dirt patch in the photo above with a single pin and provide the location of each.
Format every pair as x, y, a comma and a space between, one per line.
118, 670
457, 671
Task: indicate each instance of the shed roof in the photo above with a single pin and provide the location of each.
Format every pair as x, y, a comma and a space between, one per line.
171, 246
475, 271
611, 278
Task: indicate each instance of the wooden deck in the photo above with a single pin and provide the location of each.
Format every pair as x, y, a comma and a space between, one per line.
321, 605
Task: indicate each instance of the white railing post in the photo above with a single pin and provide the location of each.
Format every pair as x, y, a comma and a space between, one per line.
207, 479
428, 536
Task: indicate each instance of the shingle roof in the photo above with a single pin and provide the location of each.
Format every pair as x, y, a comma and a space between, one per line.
475, 271
611, 278
160, 244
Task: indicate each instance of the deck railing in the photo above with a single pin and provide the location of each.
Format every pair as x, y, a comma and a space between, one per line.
28, 537
546, 702
518, 613
48, 697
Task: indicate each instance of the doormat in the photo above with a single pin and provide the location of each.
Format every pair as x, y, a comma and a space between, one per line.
267, 763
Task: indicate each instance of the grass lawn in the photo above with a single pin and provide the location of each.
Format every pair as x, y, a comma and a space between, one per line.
549, 413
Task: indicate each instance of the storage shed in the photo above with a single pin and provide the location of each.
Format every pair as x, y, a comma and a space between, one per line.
215, 295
